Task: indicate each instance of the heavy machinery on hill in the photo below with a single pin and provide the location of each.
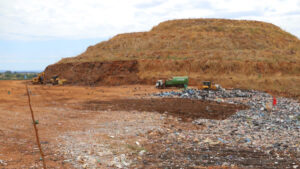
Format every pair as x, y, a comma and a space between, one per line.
208, 85
39, 79
181, 82
55, 80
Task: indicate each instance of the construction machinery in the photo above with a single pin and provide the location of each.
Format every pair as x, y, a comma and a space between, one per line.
39, 79
55, 80
181, 82
207, 85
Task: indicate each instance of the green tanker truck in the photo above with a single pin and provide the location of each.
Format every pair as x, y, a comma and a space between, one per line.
181, 82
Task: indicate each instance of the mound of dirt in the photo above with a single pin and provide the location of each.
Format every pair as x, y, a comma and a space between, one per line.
234, 53
197, 39
95, 73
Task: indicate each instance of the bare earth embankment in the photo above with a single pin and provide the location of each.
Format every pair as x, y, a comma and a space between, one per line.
233, 53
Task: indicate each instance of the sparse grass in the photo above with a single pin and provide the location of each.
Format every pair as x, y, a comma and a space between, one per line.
203, 37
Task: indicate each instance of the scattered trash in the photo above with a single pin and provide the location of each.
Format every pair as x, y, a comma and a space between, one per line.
142, 152
209, 141
3, 163
247, 140
121, 162
261, 127
223, 141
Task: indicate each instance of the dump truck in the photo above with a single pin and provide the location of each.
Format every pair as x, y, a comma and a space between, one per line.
181, 82
207, 85
39, 79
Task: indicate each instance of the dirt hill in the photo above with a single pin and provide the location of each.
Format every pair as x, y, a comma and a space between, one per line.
233, 53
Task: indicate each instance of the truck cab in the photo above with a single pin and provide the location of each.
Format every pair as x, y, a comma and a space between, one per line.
159, 84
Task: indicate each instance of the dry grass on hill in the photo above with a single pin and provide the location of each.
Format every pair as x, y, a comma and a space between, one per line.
234, 53
199, 38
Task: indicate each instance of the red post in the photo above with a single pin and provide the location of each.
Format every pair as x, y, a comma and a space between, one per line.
274, 101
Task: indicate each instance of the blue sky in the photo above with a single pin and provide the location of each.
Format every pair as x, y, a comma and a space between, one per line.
35, 55
35, 33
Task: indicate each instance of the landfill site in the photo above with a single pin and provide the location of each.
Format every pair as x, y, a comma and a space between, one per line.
194, 93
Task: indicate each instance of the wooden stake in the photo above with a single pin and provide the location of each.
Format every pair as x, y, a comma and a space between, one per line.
36, 130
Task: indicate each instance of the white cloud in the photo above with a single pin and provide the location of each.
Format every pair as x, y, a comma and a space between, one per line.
77, 19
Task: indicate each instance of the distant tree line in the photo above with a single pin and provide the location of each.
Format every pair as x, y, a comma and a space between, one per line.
9, 75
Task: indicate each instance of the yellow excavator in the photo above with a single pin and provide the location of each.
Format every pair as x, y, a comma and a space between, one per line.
39, 79
55, 80
207, 85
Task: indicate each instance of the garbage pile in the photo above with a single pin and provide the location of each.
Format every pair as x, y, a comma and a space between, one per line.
209, 94
263, 127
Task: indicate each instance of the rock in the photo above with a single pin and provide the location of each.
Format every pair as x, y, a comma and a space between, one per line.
80, 159
92, 161
3, 163
209, 141
85, 166
67, 161
225, 164
142, 152
124, 161
196, 140
117, 163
